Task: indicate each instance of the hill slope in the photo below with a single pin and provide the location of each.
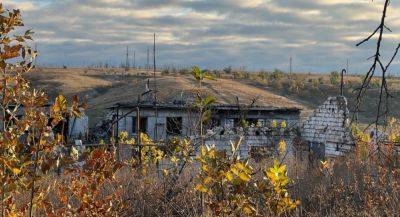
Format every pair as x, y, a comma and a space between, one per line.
105, 87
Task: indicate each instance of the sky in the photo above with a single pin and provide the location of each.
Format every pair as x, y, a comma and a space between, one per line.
319, 35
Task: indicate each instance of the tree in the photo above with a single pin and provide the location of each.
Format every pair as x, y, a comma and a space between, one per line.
200, 75
28, 148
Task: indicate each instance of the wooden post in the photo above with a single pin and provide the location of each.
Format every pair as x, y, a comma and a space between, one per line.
138, 132
117, 135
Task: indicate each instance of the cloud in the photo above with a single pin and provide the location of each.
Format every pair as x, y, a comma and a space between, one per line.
259, 34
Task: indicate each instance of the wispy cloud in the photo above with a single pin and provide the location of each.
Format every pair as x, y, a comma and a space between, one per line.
259, 34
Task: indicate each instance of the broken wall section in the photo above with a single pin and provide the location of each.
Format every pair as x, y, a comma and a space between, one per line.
327, 130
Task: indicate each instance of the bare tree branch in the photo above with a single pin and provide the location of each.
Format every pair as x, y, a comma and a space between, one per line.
377, 65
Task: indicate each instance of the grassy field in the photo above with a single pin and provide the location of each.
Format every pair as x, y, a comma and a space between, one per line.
105, 87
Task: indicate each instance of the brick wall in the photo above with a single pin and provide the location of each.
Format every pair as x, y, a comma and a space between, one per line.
328, 125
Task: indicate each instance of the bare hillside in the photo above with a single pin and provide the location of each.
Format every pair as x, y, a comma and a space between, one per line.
105, 87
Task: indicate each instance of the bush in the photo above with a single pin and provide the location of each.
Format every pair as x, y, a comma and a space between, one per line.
228, 70
165, 72
217, 73
276, 75
184, 71
263, 75
315, 83
334, 77
321, 80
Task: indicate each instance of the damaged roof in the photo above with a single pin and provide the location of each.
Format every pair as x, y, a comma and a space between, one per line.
217, 106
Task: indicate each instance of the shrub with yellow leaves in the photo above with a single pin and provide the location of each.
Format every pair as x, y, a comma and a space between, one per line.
124, 138
230, 188
276, 194
149, 153
274, 124
27, 145
225, 181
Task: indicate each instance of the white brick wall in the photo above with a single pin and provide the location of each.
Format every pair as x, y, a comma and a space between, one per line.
329, 125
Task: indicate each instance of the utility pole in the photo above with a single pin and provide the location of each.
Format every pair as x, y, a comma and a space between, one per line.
347, 66
127, 59
134, 59
155, 87
148, 60
290, 65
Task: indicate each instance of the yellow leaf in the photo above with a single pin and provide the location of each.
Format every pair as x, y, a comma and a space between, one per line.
60, 104
201, 188
270, 173
12, 214
274, 124
204, 168
282, 146
241, 166
207, 180
248, 210
16, 171
145, 139
282, 169
174, 159
123, 135
229, 176
283, 124
244, 176
203, 151
212, 153
324, 163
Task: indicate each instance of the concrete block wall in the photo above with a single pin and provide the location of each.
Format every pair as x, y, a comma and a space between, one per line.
249, 140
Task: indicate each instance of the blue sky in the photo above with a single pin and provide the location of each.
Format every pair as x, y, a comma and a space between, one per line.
255, 34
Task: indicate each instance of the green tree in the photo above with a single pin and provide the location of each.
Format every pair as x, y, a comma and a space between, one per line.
200, 75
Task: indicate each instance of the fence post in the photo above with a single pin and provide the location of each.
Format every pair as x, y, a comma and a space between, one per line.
138, 132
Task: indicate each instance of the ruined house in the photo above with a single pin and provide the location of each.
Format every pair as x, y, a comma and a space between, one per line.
166, 120
327, 130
